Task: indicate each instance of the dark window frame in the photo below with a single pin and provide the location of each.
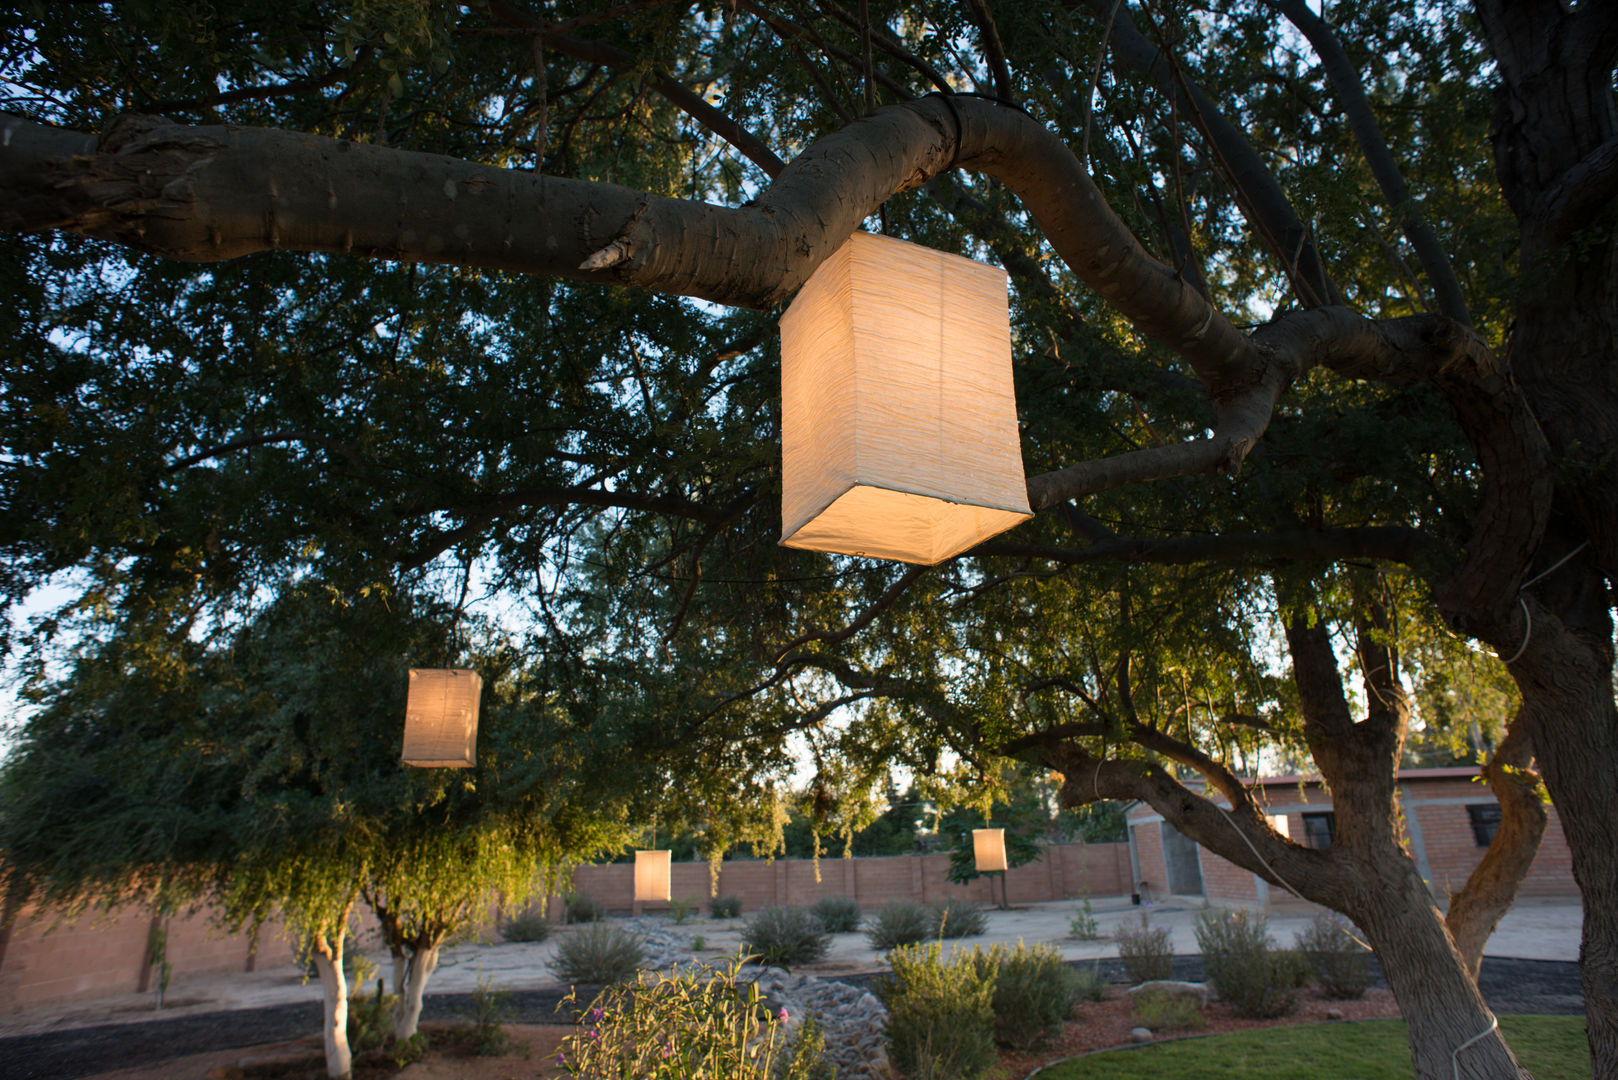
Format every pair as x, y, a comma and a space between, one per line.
1485, 821
1326, 817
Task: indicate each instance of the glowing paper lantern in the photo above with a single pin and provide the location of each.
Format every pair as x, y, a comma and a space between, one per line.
989, 850
898, 418
441, 718
652, 876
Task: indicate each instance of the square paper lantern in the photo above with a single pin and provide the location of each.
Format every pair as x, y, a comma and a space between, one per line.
898, 418
989, 850
652, 876
441, 718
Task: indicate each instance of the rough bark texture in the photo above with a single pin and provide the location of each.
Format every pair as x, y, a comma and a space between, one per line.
334, 1004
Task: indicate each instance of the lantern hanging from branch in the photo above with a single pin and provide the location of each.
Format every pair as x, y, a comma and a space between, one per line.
652, 877
989, 850
441, 718
898, 418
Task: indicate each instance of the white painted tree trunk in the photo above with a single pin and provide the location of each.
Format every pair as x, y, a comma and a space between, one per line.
407, 1013
334, 984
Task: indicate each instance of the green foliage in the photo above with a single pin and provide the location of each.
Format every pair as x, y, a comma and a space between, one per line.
370, 1019
688, 1026
940, 1015
725, 907
1086, 983
838, 914
1163, 1011
682, 908
1033, 993
491, 1009
698, 942
1245, 973
1146, 953
583, 909
1341, 965
785, 936
1083, 925
957, 919
527, 925
900, 922
598, 953
1026, 818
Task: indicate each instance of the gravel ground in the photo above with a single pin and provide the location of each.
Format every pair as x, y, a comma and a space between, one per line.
1509, 986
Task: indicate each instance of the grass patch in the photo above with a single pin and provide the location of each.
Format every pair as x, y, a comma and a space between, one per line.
1551, 1047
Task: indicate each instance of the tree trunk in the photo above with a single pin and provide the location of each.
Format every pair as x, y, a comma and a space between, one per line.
407, 1014
1437, 995
334, 985
400, 970
1566, 680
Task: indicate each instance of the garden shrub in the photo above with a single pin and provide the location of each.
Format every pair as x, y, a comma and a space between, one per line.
1236, 955
1341, 965
1147, 953
370, 1019
957, 919
725, 907
682, 908
598, 953
491, 1009
900, 922
582, 909
1083, 925
1162, 1011
529, 925
940, 1015
785, 936
1086, 983
1033, 993
838, 914
706, 1023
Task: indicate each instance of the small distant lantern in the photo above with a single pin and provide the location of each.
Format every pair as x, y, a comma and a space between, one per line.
989, 850
441, 718
898, 417
652, 877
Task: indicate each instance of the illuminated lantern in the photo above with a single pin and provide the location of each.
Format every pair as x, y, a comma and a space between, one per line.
441, 718
652, 877
898, 418
989, 850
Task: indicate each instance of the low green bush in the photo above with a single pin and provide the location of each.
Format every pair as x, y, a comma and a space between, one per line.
1245, 973
707, 1023
1083, 925
529, 925
682, 908
582, 909
785, 936
599, 954
838, 914
1033, 993
1341, 965
940, 1015
370, 1019
900, 922
1146, 953
1086, 983
725, 907
957, 919
1162, 1011
491, 1009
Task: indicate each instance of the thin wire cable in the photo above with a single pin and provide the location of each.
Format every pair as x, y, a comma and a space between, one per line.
1528, 630
1455, 1055
1364, 945
1555, 566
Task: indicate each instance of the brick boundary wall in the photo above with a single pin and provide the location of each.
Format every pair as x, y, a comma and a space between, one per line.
45, 960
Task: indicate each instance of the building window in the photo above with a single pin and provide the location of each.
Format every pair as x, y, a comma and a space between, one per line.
1485, 820
1320, 830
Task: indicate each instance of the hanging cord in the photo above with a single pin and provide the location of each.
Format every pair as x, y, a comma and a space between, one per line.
1528, 628
1364, 945
1494, 1022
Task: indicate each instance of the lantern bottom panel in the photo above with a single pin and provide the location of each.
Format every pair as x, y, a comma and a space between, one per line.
884, 524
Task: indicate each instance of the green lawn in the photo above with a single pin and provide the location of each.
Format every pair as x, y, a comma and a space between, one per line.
1552, 1047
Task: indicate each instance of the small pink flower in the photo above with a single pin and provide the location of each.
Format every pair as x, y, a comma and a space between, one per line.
782, 1015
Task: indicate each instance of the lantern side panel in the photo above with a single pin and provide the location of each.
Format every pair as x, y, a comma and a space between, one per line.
441, 718
817, 394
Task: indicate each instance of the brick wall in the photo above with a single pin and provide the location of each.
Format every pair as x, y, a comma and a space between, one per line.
1065, 871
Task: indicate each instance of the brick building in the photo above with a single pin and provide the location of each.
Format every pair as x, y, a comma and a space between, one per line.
1449, 820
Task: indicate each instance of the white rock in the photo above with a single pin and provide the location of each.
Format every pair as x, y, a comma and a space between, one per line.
1140, 1035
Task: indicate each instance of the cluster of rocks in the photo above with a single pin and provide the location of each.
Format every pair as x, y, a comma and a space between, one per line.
852, 1018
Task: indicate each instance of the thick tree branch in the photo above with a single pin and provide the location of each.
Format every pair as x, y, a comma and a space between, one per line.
1351, 96
1581, 193
993, 50
1392, 543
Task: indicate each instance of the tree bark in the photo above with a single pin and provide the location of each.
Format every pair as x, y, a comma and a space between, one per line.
407, 1014
334, 1003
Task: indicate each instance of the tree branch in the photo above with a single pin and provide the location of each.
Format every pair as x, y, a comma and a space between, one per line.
784, 655
1392, 543
1581, 193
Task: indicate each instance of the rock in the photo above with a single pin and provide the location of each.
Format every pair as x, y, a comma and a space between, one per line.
1334, 1014
1140, 1035
1190, 991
